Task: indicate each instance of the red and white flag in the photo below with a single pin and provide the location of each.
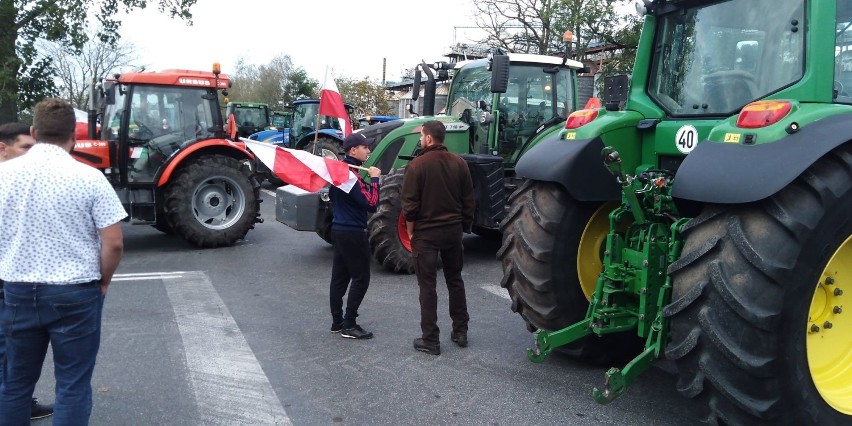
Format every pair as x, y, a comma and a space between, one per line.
331, 103
303, 169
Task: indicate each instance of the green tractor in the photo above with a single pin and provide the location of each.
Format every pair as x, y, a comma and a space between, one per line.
730, 257
496, 110
251, 117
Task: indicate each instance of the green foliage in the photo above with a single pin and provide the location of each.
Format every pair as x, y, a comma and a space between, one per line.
25, 73
368, 97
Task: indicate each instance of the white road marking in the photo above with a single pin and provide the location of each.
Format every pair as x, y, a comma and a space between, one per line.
229, 385
496, 289
141, 277
269, 192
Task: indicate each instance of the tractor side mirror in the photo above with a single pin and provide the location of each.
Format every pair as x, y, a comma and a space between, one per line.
109, 93
499, 73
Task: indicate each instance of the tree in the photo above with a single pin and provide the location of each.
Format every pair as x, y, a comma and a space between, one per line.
368, 97
95, 60
537, 26
522, 26
277, 81
25, 74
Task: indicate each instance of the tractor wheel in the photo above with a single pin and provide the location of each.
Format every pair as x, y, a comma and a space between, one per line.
212, 201
551, 255
388, 237
758, 327
326, 147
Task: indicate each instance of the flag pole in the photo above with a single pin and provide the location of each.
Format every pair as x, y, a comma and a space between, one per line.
358, 167
316, 126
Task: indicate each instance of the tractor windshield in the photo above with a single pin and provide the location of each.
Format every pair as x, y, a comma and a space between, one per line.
252, 116
529, 96
714, 59
305, 120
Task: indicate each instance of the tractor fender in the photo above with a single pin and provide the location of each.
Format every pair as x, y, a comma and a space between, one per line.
732, 173
233, 149
577, 165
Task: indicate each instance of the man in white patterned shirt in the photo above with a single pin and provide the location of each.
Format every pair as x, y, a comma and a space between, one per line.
60, 244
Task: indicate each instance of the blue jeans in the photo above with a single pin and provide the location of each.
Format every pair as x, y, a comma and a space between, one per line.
69, 318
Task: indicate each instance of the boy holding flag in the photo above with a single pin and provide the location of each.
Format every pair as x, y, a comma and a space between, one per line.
349, 237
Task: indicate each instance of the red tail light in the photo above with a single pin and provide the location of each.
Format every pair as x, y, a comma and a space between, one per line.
762, 113
581, 118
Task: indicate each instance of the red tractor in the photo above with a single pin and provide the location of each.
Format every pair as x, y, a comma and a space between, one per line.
163, 147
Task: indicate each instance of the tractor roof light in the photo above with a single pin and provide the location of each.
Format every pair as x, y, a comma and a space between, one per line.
580, 118
217, 69
762, 113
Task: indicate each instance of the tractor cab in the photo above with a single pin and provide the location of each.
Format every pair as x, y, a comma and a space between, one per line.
149, 122
250, 117
539, 93
305, 121
281, 119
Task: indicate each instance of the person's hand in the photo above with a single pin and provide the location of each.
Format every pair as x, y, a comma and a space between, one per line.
374, 172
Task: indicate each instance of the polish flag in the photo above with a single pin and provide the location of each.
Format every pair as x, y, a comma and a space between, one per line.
303, 169
331, 103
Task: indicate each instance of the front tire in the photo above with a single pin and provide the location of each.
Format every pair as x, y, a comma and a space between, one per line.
389, 240
212, 201
551, 258
326, 147
752, 282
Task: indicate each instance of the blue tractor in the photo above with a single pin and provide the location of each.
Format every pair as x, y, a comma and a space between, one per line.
303, 130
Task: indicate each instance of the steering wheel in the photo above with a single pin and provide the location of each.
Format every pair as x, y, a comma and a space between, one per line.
143, 132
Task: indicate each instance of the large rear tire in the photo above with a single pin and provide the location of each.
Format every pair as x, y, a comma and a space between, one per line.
754, 288
213, 201
389, 240
326, 147
551, 257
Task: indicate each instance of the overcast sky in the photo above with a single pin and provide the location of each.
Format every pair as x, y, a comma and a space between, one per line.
350, 37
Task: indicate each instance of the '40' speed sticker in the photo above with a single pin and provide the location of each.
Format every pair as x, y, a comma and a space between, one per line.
686, 139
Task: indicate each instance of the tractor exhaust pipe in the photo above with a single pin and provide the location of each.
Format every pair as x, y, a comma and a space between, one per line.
429, 90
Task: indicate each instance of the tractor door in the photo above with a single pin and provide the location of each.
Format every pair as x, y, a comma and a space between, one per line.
162, 120
538, 96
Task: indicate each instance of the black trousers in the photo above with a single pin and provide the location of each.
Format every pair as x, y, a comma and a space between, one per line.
351, 264
426, 246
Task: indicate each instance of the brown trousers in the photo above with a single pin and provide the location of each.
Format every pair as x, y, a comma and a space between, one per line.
427, 245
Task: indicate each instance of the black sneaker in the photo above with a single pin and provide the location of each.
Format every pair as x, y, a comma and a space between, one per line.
336, 327
430, 348
460, 339
356, 333
40, 411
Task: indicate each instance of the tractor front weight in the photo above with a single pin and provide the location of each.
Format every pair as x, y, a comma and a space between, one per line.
643, 240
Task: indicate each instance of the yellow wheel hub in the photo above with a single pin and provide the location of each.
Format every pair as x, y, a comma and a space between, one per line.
589, 263
829, 340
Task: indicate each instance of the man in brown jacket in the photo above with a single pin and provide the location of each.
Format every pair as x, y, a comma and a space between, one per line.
438, 204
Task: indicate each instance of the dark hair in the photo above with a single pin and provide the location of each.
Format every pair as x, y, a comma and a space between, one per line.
9, 132
53, 121
435, 129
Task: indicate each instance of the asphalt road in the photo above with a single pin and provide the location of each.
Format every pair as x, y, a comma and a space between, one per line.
240, 335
